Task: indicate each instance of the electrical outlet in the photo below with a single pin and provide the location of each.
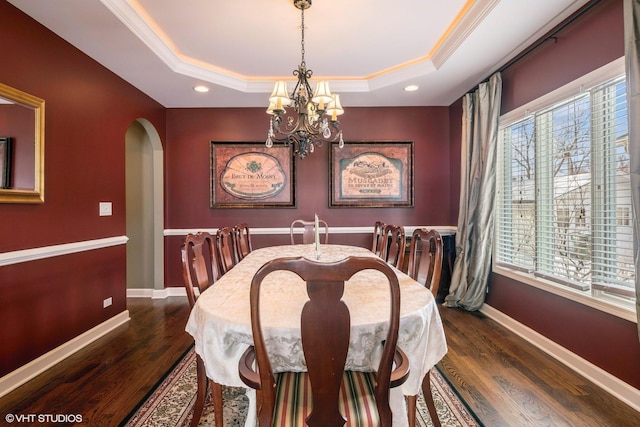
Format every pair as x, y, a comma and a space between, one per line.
107, 302
105, 208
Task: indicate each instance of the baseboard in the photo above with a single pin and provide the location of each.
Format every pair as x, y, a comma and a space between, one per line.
611, 384
16, 378
157, 293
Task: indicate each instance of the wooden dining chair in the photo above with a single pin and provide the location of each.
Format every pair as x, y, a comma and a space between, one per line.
200, 270
200, 267
378, 231
425, 258
308, 231
393, 245
242, 240
425, 267
324, 391
226, 248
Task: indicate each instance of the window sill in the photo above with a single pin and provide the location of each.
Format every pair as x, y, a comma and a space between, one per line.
618, 307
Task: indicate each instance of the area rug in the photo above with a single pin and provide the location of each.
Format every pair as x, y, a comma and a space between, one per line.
171, 402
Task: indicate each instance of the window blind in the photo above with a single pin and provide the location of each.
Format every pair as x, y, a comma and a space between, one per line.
613, 267
563, 192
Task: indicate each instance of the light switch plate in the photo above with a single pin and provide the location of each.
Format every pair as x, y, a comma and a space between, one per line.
105, 208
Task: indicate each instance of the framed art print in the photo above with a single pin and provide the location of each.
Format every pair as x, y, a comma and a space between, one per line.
251, 175
371, 174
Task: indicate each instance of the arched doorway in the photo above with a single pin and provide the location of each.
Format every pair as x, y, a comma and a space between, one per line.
145, 213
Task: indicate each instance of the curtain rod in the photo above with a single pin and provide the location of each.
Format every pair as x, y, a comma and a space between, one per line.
551, 35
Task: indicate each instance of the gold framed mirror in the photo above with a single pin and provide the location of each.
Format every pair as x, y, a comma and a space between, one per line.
22, 148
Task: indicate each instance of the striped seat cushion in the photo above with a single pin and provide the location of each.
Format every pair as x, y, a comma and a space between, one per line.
356, 401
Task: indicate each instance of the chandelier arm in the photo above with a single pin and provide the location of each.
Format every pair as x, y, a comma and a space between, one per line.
294, 125
307, 126
299, 126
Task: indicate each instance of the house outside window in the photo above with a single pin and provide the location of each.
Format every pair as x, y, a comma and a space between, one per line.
563, 201
623, 215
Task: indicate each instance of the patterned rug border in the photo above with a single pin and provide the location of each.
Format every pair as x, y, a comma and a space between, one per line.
453, 389
178, 413
146, 399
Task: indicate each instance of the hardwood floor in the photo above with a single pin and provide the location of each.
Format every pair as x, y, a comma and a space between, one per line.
505, 380
106, 380
509, 382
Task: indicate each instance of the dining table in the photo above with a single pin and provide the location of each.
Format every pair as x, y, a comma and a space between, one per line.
220, 321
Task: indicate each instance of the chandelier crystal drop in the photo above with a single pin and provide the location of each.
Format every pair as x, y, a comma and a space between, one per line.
313, 118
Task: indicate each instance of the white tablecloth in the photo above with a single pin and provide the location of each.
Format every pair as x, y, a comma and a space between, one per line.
220, 322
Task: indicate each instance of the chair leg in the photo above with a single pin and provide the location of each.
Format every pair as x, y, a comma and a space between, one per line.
428, 398
411, 410
201, 393
216, 393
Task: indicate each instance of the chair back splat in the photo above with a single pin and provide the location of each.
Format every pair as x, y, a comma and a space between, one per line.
393, 245
226, 245
242, 239
308, 232
280, 401
378, 232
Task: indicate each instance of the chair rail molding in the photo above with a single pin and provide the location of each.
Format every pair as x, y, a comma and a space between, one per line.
442, 229
26, 255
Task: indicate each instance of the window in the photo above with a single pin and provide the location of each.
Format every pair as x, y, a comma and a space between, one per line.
623, 215
563, 210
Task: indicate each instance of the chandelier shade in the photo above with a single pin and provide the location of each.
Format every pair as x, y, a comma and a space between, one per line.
322, 94
312, 119
279, 97
335, 109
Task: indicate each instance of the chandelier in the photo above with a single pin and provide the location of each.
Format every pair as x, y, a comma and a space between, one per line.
313, 119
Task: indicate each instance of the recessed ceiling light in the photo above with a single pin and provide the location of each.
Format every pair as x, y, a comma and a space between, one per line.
411, 88
201, 89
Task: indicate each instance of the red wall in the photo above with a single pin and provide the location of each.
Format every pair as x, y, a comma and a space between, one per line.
87, 112
46, 303
607, 341
189, 132
591, 41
